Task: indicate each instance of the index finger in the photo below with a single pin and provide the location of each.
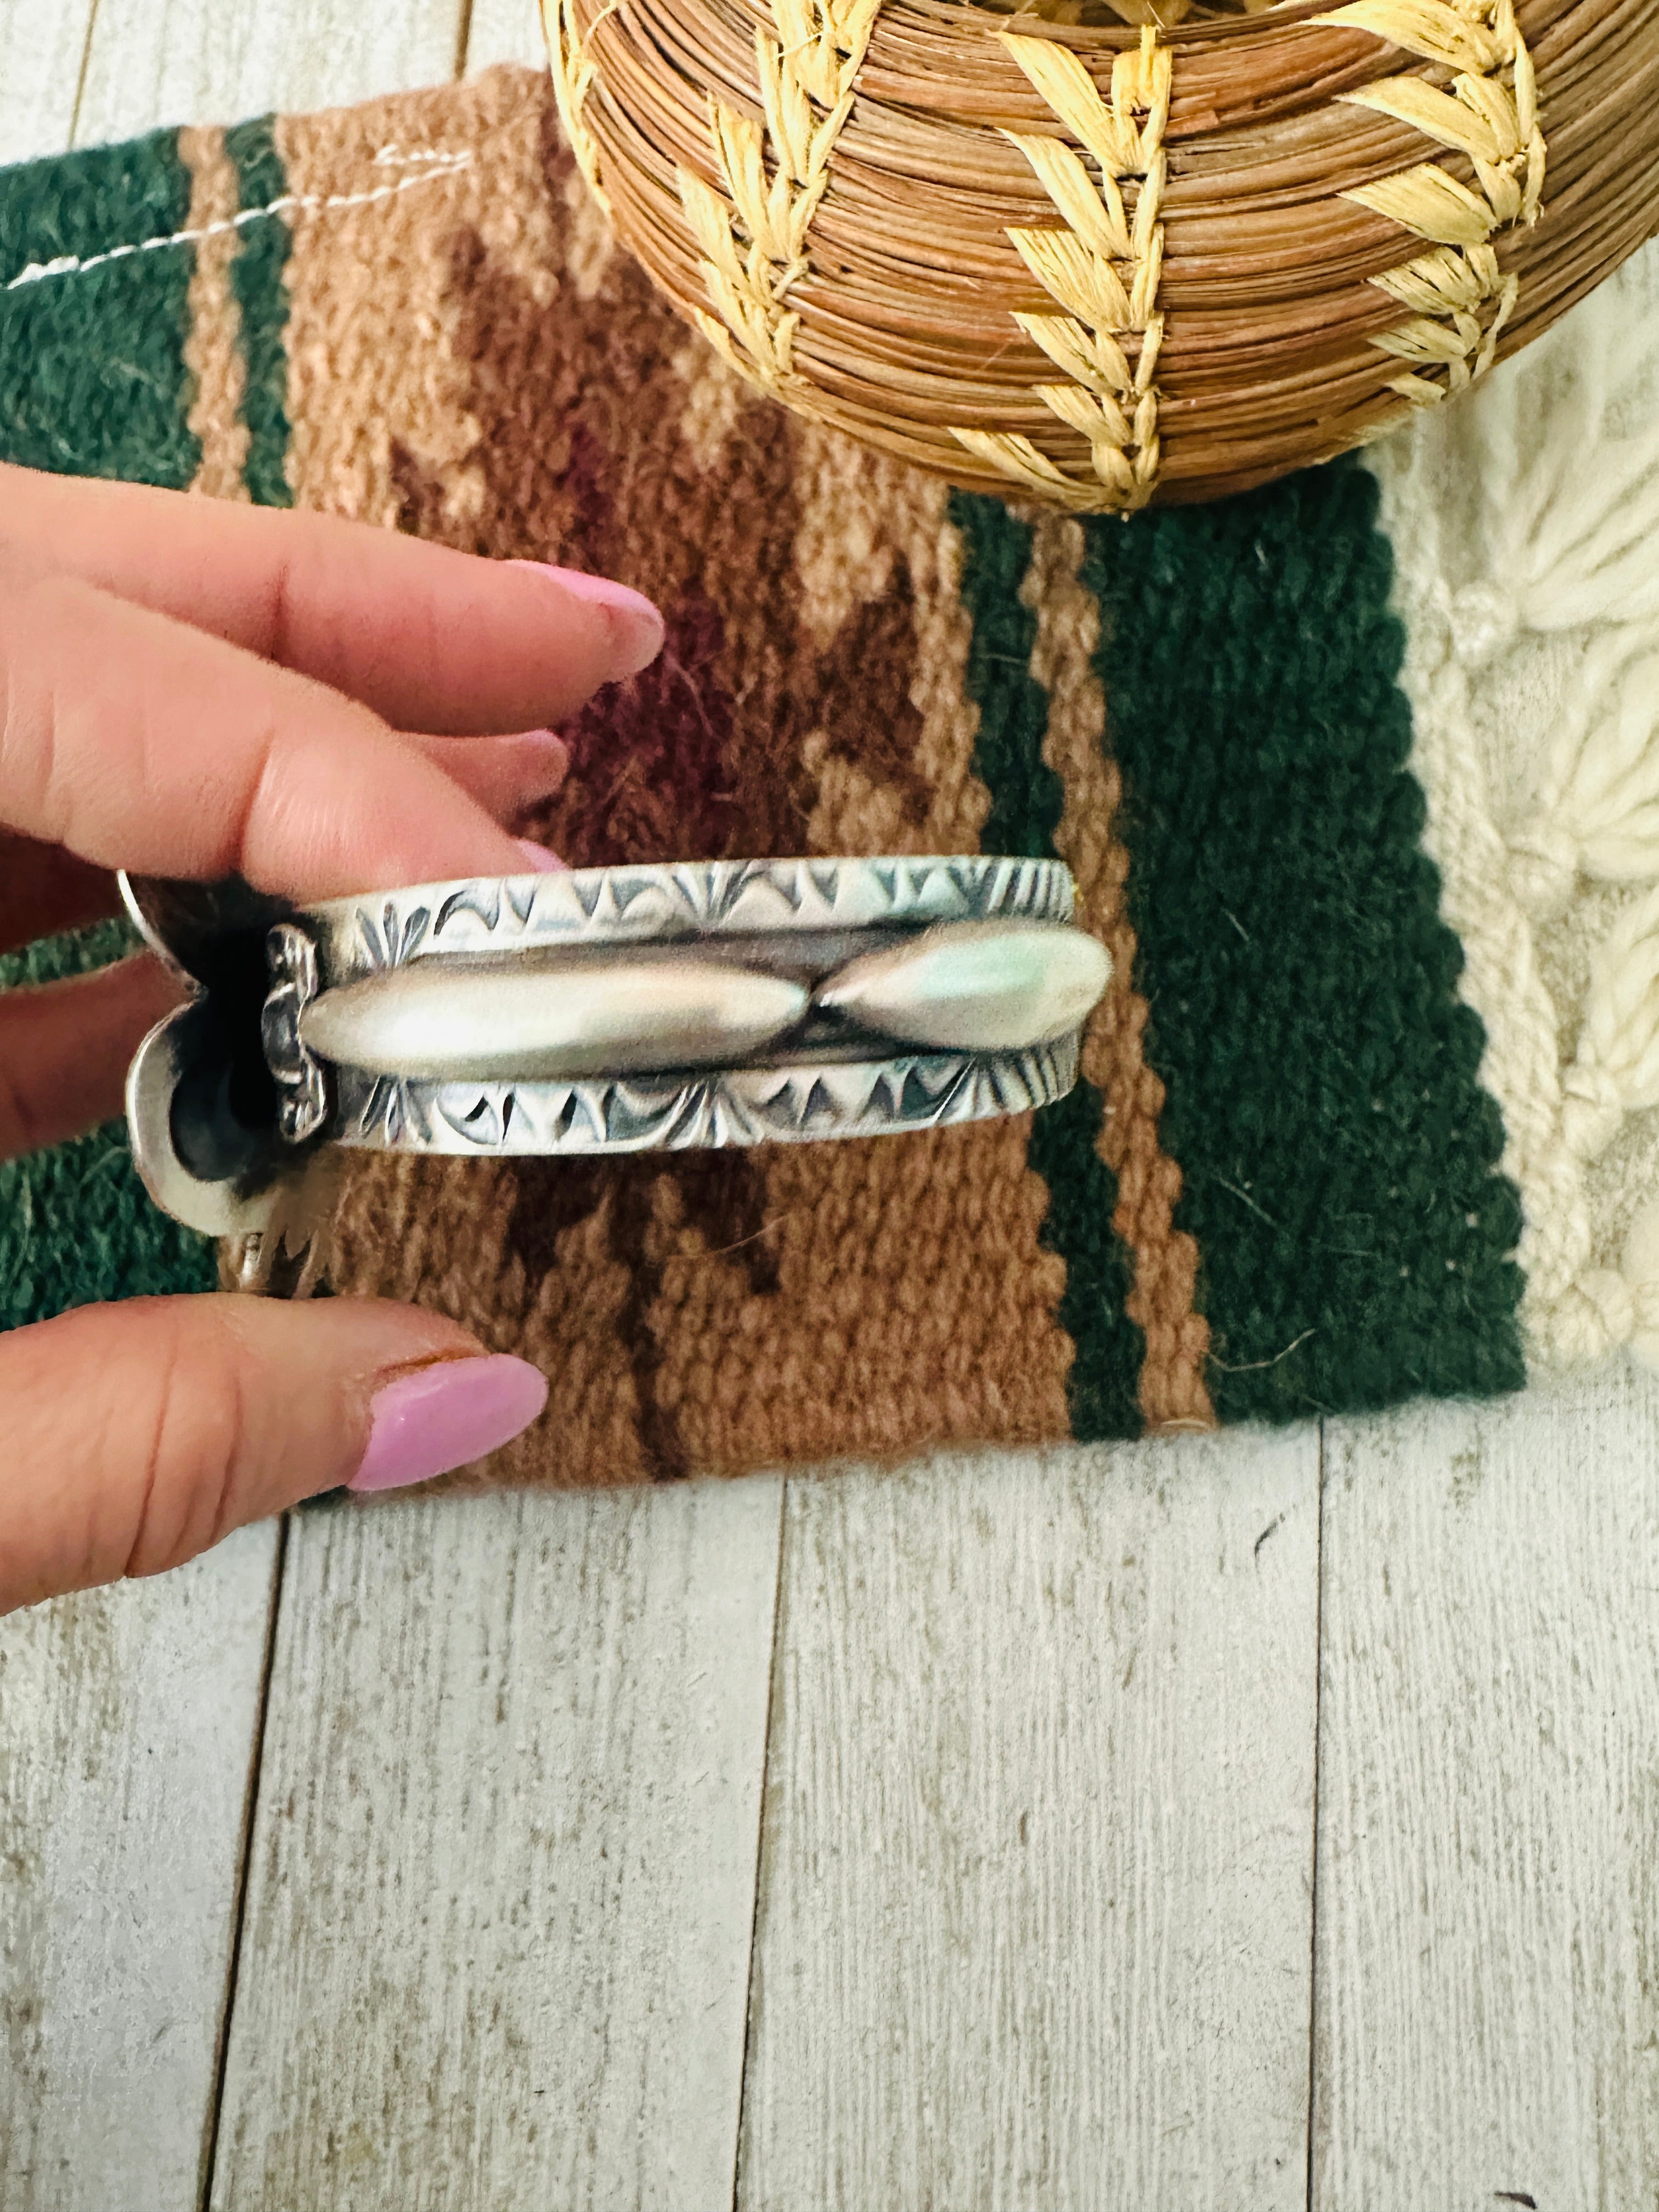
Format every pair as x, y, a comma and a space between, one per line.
431, 639
134, 741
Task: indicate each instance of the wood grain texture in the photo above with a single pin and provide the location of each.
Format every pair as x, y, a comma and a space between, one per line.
505, 31
206, 61
127, 1723
498, 1927
1034, 1927
41, 50
1488, 1883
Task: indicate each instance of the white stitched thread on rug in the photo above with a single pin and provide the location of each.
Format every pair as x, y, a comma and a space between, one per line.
1522, 524
72, 264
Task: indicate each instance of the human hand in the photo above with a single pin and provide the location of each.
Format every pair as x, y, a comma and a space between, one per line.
193, 690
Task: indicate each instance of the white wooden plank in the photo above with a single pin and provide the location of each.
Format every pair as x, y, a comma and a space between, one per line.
1488, 1884
127, 1721
42, 45
505, 31
203, 61
1034, 1926
497, 1936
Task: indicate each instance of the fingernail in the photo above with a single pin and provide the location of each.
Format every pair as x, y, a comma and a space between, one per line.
436, 1418
636, 626
538, 859
547, 741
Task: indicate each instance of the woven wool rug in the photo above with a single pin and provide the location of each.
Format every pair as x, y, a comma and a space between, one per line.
1357, 775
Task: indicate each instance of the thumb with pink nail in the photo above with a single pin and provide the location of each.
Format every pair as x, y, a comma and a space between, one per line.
191, 1417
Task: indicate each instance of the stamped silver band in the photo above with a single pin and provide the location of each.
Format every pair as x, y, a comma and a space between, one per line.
603, 1010
681, 901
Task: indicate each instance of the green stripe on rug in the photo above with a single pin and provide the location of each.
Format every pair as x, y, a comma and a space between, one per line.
256, 279
92, 380
1337, 1151
1026, 803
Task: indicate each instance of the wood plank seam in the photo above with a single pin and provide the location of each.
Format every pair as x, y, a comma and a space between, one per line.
1313, 1829
81, 80
244, 1863
772, 1673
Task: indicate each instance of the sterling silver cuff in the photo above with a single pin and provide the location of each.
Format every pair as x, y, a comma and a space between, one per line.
603, 1010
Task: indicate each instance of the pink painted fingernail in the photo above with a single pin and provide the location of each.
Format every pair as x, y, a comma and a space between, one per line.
436, 1418
636, 628
545, 741
540, 860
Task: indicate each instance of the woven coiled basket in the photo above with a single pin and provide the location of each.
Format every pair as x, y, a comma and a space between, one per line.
1105, 265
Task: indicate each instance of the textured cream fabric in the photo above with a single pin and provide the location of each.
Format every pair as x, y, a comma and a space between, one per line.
1525, 524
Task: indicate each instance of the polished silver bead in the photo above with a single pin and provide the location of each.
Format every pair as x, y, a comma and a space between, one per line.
976, 985
542, 1015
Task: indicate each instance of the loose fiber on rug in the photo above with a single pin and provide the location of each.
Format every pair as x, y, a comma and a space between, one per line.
1358, 776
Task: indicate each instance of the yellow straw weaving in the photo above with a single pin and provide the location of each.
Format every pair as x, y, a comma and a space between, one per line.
1103, 262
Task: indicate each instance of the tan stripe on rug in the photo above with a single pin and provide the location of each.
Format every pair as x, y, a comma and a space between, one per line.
211, 351
1172, 1390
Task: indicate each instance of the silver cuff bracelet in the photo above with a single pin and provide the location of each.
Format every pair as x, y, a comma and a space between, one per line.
602, 1010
